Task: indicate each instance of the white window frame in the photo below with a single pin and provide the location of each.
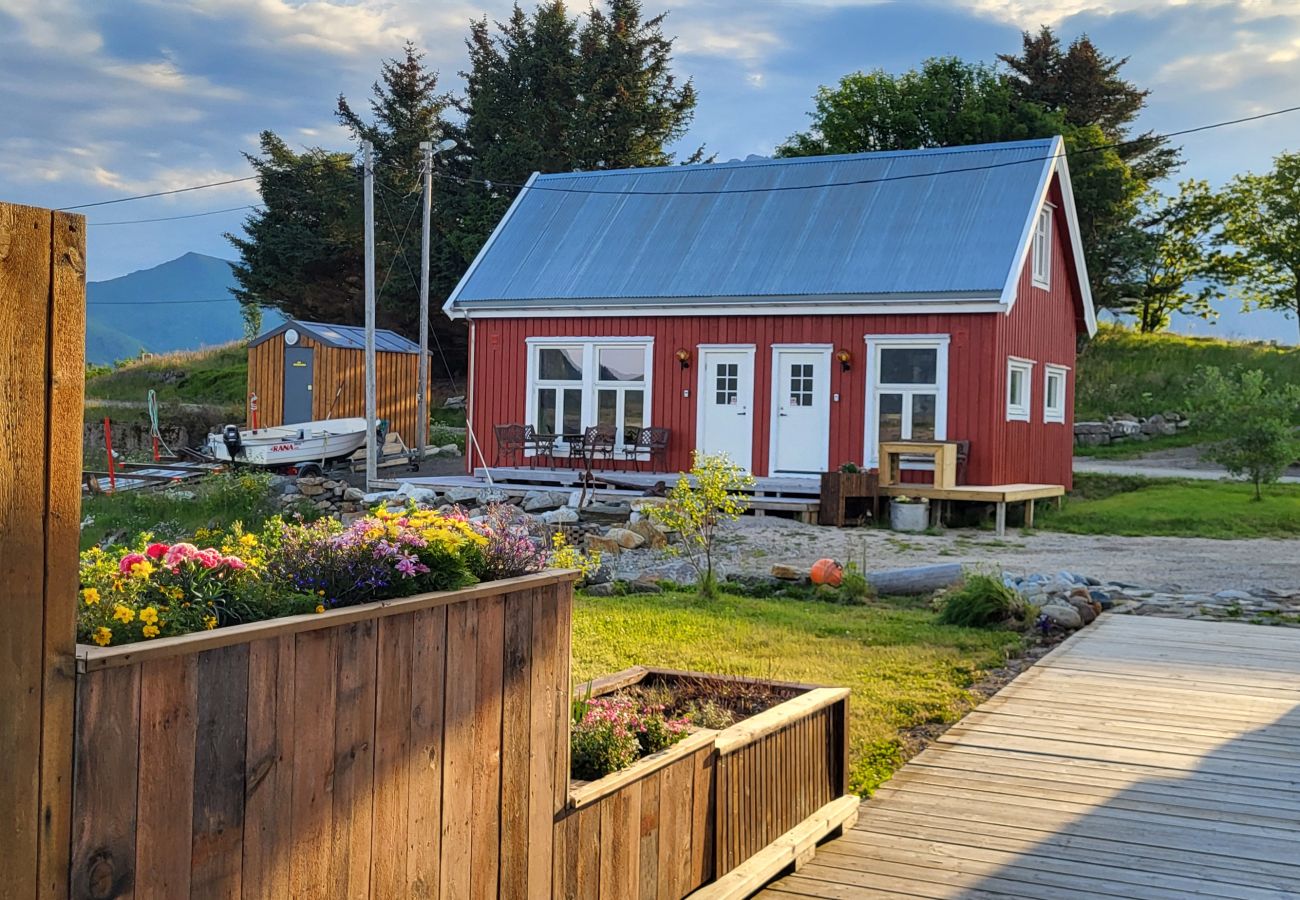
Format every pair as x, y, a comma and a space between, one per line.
590, 384
1055, 414
1041, 254
1019, 412
876, 343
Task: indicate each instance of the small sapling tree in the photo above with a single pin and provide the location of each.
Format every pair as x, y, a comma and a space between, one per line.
696, 507
1257, 418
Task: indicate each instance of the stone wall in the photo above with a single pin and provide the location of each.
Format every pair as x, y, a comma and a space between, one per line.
1124, 428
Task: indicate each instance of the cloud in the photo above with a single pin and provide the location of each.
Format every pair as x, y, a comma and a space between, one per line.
1029, 14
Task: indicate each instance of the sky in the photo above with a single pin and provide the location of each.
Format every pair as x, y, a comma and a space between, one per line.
101, 100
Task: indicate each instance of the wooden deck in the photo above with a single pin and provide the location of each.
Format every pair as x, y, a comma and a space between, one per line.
1144, 757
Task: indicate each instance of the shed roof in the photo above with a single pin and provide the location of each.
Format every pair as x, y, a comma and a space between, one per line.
943, 224
343, 337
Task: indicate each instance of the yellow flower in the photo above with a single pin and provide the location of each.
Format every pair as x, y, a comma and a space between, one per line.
321, 593
320, 608
102, 636
123, 614
142, 569
248, 540
91, 596
149, 631
149, 616
209, 622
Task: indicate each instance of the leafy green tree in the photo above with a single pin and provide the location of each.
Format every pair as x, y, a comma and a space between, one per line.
1176, 268
1261, 235
1257, 417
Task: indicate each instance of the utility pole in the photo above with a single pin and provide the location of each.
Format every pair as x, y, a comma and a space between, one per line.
422, 404
372, 449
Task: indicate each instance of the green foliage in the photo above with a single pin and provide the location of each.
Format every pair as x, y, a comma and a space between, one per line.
1261, 235
700, 503
905, 670
1120, 371
1256, 418
1104, 504
854, 587
216, 376
981, 600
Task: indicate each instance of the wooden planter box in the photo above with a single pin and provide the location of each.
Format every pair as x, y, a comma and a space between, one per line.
372, 751
703, 812
840, 488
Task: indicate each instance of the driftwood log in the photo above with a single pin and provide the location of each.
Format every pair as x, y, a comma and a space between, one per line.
915, 580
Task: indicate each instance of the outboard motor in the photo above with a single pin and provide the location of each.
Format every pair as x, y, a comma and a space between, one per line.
234, 443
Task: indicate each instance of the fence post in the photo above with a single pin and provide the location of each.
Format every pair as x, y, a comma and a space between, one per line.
42, 379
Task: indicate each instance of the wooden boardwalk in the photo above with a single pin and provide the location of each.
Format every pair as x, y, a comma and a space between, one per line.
1144, 757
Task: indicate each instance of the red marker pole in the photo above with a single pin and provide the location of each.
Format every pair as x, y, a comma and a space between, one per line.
108, 449
252, 407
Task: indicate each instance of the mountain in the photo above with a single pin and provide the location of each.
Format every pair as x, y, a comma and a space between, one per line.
183, 304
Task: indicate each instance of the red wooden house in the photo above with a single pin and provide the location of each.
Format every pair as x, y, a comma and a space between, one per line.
793, 313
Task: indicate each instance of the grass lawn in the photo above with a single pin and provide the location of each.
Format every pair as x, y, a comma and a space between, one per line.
1129, 505
904, 669
216, 376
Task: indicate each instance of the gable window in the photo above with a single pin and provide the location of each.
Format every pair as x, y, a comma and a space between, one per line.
574, 383
1042, 249
907, 399
1019, 388
1054, 393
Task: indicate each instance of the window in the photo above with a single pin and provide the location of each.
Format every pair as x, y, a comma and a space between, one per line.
801, 384
908, 397
579, 382
1054, 393
1019, 389
726, 383
1042, 249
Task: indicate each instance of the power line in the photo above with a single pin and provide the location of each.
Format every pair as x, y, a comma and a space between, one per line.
195, 187
159, 302
211, 212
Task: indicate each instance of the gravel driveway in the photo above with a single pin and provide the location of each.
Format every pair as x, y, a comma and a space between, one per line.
753, 545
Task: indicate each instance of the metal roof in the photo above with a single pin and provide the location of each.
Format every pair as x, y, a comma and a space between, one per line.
923, 223
344, 337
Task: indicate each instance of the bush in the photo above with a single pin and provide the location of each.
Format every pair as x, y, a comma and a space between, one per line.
979, 601
854, 587
1258, 418
611, 733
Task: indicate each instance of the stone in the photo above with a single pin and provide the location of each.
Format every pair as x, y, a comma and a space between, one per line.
625, 538
461, 495
1233, 595
1122, 428
540, 501
1100, 428
311, 481
609, 513
603, 575
675, 571
1092, 440
655, 536
1063, 616
449, 450
604, 589
565, 515
181, 495
378, 497
1157, 425
314, 489
409, 491
353, 494
643, 586
1084, 608
788, 573
491, 495
604, 545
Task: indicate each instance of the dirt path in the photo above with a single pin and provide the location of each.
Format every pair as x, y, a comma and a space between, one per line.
1176, 462
1192, 564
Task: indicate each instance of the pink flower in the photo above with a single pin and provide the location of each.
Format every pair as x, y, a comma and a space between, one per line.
156, 551
178, 554
210, 558
129, 562
235, 563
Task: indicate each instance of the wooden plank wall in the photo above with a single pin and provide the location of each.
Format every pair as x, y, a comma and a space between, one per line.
42, 346
652, 838
396, 384
410, 754
767, 787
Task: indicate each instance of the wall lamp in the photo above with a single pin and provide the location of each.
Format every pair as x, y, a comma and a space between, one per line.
684, 358
845, 358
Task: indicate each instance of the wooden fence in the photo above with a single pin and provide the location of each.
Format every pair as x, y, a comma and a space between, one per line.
412, 748
42, 347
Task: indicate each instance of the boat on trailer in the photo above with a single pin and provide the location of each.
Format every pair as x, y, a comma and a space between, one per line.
289, 446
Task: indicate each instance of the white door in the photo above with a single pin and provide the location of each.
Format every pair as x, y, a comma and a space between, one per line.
800, 410
726, 404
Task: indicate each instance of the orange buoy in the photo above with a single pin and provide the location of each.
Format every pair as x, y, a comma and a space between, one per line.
827, 571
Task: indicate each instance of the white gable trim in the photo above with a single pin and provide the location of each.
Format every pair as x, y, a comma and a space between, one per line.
449, 308
1056, 165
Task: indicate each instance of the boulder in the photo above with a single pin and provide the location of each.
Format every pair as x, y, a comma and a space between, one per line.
603, 575
604, 545
1091, 440
625, 538
788, 573
491, 495
409, 491
604, 589
565, 515
461, 495
540, 501
615, 513
676, 571
1085, 609
643, 585
1158, 425
1062, 616
655, 537
311, 487
1123, 428
353, 494
449, 450
1091, 428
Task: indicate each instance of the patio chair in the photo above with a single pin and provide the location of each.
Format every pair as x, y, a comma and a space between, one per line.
511, 440
542, 445
598, 441
652, 441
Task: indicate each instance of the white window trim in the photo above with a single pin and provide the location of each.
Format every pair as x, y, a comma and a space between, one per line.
589, 385
1055, 415
875, 343
1041, 248
823, 351
1020, 412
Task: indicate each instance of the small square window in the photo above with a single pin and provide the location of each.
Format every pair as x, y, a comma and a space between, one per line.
1054, 380
1019, 373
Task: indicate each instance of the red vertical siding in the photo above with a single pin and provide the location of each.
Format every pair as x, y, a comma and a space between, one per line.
1042, 326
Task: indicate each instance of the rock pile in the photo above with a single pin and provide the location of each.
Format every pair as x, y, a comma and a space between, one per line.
1122, 428
332, 497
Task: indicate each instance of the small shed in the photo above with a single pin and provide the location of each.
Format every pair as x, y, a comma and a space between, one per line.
298, 369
